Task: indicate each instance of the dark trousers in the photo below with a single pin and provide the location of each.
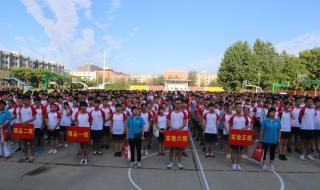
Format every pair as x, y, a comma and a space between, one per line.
266, 146
135, 144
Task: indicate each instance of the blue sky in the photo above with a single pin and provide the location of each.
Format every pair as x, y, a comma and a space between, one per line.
150, 36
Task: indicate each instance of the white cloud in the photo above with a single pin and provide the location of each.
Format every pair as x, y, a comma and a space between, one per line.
305, 41
85, 43
61, 29
115, 4
6, 24
19, 38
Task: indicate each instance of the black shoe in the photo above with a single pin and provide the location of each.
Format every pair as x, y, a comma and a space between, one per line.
115, 154
197, 139
281, 157
19, 149
119, 154
284, 157
184, 154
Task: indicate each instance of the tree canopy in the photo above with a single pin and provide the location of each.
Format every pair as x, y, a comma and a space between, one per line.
262, 65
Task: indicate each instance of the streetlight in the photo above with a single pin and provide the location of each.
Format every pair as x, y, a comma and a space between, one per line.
104, 68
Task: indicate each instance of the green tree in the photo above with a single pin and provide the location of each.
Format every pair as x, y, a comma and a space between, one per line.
192, 77
311, 59
236, 66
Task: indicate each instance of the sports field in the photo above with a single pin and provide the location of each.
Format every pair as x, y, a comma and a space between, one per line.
61, 171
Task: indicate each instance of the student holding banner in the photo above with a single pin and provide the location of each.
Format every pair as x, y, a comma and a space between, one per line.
237, 121
210, 128
83, 119
27, 115
176, 121
5, 118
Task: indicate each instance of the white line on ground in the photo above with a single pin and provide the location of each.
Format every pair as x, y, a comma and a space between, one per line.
282, 186
200, 165
130, 177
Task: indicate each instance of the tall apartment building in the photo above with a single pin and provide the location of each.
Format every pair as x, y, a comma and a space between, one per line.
15, 59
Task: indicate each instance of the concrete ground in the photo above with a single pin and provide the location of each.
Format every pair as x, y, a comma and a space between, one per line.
61, 171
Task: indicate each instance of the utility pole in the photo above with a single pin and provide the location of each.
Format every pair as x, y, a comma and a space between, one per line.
104, 68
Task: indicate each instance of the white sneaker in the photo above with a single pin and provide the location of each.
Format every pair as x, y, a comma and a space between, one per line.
50, 151
139, 165
238, 167
302, 157
60, 145
146, 152
66, 145
131, 164
271, 167
180, 166
54, 151
81, 162
311, 157
85, 162
264, 167
142, 152
170, 165
234, 167
228, 156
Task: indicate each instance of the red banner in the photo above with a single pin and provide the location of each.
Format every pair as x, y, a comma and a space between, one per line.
78, 134
176, 138
23, 131
241, 137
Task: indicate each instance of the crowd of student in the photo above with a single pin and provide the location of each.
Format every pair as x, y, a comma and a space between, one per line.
282, 123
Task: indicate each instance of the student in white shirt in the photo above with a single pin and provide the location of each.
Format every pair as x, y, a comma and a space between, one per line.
146, 116
66, 119
286, 118
237, 121
108, 113
160, 122
27, 114
225, 119
307, 117
118, 129
176, 121
98, 118
296, 126
317, 125
210, 128
83, 119
246, 113
39, 125
53, 119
